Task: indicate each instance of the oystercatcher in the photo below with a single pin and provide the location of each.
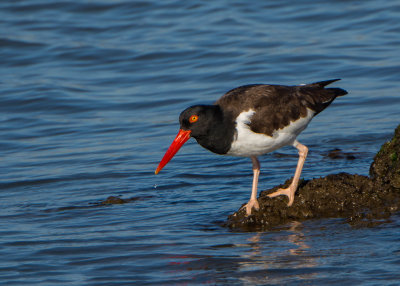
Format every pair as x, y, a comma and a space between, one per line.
252, 120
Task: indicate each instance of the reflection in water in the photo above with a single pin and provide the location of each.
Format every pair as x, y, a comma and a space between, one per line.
268, 261
297, 238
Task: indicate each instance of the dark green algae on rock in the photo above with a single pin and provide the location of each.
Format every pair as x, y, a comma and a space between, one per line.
385, 170
360, 200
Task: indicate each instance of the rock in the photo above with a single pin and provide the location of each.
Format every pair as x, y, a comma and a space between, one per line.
360, 200
339, 154
385, 169
113, 200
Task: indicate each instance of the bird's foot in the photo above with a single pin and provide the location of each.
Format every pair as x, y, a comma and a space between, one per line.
289, 192
250, 205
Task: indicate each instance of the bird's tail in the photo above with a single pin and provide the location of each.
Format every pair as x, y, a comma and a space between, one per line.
321, 97
333, 90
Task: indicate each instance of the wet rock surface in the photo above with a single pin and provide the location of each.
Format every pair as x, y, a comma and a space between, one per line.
339, 154
111, 200
385, 169
360, 200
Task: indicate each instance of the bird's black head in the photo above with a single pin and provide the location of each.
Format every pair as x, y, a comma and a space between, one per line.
207, 125
199, 119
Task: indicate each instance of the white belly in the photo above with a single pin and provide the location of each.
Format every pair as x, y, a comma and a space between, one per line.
248, 143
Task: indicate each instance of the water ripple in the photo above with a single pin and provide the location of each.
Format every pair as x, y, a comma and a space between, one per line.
90, 95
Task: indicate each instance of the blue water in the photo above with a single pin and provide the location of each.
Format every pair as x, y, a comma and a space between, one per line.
90, 93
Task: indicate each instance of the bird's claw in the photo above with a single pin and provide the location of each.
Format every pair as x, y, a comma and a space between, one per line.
289, 192
250, 205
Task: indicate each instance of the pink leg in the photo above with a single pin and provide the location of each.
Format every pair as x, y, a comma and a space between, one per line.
253, 203
289, 192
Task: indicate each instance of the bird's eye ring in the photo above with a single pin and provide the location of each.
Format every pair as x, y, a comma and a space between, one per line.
193, 118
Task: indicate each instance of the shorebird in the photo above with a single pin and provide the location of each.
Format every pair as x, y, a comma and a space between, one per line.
252, 120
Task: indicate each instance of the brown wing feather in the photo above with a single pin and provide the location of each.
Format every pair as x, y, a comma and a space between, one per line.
277, 105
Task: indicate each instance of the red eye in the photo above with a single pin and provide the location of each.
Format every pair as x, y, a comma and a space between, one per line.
193, 118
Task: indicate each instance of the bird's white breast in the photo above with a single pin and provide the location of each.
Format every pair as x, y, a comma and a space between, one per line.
248, 143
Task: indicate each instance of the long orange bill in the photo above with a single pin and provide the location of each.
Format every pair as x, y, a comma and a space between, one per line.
179, 140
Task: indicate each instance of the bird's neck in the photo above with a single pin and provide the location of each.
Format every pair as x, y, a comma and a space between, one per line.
220, 132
